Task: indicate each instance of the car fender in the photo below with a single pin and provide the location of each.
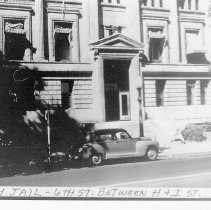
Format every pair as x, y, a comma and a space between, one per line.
141, 146
91, 148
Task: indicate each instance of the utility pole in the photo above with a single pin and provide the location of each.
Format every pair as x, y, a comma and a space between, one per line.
47, 118
141, 126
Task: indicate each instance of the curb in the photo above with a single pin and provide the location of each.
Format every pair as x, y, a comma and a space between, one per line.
184, 155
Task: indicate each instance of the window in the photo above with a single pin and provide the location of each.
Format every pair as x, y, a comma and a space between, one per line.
193, 41
111, 1
203, 89
111, 30
124, 105
66, 89
181, 4
156, 44
197, 4
15, 39
195, 47
63, 38
122, 135
190, 92
145, 2
160, 86
153, 3
189, 4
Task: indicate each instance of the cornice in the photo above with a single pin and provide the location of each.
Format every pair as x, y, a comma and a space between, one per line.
154, 13
191, 16
20, 5
67, 5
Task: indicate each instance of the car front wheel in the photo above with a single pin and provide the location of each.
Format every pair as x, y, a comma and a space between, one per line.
95, 159
151, 154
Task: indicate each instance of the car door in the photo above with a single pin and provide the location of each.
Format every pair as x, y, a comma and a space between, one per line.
125, 144
109, 144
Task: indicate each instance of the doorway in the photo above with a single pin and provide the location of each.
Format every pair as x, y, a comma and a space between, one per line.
116, 83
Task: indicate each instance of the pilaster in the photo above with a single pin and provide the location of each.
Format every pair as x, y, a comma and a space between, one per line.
98, 91
174, 34
39, 40
94, 20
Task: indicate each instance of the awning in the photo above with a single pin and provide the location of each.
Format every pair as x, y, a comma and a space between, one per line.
156, 35
17, 28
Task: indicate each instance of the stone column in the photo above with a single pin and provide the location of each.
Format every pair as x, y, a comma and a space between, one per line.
94, 31
39, 40
174, 33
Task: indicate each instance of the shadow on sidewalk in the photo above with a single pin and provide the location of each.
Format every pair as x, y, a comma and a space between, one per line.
27, 170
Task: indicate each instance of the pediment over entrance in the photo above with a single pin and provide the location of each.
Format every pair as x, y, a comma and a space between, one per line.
117, 42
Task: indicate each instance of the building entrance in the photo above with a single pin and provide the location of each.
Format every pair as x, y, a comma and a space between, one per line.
116, 81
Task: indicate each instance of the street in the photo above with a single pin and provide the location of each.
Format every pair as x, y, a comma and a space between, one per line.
187, 172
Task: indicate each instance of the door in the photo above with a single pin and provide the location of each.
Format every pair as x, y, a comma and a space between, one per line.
120, 144
116, 83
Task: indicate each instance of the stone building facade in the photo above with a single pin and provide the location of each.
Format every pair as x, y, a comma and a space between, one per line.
98, 57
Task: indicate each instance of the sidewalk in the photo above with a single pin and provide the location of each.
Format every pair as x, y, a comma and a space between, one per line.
190, 149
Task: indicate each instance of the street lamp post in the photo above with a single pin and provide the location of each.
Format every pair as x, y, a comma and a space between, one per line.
141, 127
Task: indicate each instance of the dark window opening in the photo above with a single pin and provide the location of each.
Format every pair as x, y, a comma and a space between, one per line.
124, 104
66, 89
113, 30
190, 92
189, 4
156, 44
197, 5
14, 46
109, 1
161, 3
160, 86
118, 1
62, 46
110, 32
203, 89
181, 4
197, 58
155, 49
145, 2
63, 36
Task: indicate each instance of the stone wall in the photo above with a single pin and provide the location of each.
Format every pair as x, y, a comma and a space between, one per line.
175, 93
82, 94
82, 97
51, 93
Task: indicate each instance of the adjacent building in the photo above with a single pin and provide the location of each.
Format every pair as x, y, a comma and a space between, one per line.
115, 63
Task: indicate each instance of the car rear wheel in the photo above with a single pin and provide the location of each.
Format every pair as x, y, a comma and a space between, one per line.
151, 154
95, 159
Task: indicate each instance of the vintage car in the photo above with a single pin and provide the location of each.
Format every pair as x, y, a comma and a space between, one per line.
116, 143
